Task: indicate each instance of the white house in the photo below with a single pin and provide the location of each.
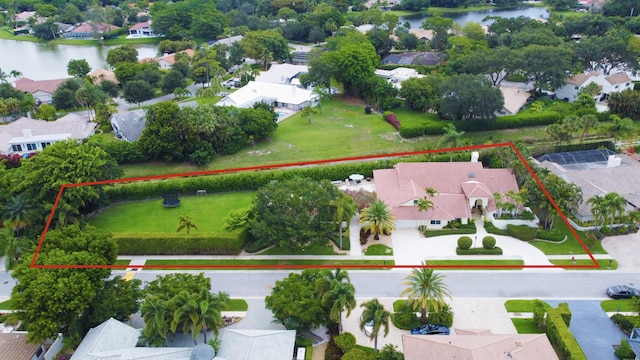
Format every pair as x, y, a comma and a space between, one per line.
14, 346
608, 84
282, 73
514, 99
42, 90
27, 135
142, 29
397, 75
278, 95
613, 83
167, 61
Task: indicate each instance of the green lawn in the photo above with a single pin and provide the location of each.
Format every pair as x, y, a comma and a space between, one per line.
249, 264
526, 326
604, 264
569, 246
208, 213
122, 262
5, 305
378, 250
466, 264
520, 306
613, 305
236, 305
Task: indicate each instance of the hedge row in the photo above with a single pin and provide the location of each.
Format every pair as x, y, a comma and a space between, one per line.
500, 123
551, 235
180, 244
461, 230
492, 229
522, 232
479, 251
560, 337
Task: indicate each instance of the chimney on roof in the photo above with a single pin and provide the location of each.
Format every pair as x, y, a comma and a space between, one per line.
26, 133
475, 156
614, 161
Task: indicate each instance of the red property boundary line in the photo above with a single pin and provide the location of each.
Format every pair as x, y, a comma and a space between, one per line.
305, 163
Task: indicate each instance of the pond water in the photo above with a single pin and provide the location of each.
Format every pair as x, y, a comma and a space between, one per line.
48, 61
477, 16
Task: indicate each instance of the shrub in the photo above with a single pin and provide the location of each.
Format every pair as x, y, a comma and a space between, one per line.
405, 318
180, 244
392, 119
333, 351
367, 109
522, 232
590, 240
479, 251
465, 242
561, 338
624, 351
539, 310
551, 235
358, 354
565, 313
443, 317
492, 229
488, 242
623, 322
345, 341
123, 152
364, 235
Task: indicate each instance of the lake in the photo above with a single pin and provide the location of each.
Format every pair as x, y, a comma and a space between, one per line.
477, 16
40, 61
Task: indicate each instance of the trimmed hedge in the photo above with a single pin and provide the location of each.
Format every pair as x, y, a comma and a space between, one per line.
463, 229
479, 251
345, 341
551, 235
464, 242
561, 338
488, 242
539, 310
180, 244
492, 229
522, 232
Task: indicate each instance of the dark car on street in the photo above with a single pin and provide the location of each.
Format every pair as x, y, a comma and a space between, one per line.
430, 329
622, 292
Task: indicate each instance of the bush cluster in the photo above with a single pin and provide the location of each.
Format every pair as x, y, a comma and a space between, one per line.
463, 229
539, 311
492, 229
624, 351
561, 338
464, 242
479, 251
522, 232
123, 152
550, 235
180, 244
392, 119
624, 322
488, 242
345, 341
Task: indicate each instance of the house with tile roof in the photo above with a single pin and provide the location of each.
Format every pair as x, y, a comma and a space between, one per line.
26, 135
98, 75
608, 84
256, 345
279, 95
478, 345
514, 100
142, 29
461, 187
14, 346
86, 30
42, 90
167, 61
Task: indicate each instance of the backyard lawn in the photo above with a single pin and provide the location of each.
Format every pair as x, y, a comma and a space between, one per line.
569, 246
208, 213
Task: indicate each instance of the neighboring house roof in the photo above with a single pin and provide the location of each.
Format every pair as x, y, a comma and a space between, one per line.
256, 91
111, 335
130, 124
24, 16
595, 178
64, 27
478, 347
426, 58
514, 98
422, 34
87, 27
141, 25
31, 86
579, 79
256, 344
171, 58
70, 126
281, 73
398, 74
227, 41
101, 74
14, 346
455, 183
619, 78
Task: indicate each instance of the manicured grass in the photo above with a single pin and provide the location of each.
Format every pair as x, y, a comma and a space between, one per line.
466, 264
604, 264
208, 213
247, 264
378, 249
613, 305
521, 306
526, 326
236, 305
5, 305
569, 246
316, 249
122, 262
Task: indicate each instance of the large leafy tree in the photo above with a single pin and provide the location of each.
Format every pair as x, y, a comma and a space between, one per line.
547, 66
265, 46
566, 195
469, 97
78, 68
295, 303
377, 218
164, 135
440, 26
375, 311
294, 213
122, 54
137, 91
425, 290
351, 63
497, 63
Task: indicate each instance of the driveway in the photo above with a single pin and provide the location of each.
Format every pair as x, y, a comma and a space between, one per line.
593, 329
625, 249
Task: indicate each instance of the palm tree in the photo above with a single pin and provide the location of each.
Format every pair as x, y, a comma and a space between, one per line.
345, 209
375, 311
15, 74
451, 137
12, 247
425, 289
197, 312
615, 204
186, 222
426, 203
154, 311
17, 212
339, 298
377, 218
3, 77
598, 209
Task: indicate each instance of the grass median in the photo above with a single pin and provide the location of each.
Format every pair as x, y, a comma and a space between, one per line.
265, 264
604, 264
477, 264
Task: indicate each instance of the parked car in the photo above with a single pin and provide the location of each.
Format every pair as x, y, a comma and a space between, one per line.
430, 329
368, 327
622, 292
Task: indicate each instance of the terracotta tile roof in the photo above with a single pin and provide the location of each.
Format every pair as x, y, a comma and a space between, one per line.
87, 28
101, 74
171, 58
478, 347
13, 346
454, 181
31, 86
141, 25
617, 78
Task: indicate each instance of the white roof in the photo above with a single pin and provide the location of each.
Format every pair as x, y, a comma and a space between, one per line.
400, 74
256, 91
282, 73
256, 345
111, 335
514, 98
69, 126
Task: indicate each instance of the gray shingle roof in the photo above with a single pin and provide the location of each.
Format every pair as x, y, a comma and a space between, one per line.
256, 345
129, 124
111, 335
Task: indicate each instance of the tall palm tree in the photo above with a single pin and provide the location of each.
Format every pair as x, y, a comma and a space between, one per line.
598, 209
17, 212
340, 297
186, 222
155, 311
615, 204
3, 77
425, 289
377, 218
426, 203
15, 74
375, 311
345, 209
195, 312
12, 247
